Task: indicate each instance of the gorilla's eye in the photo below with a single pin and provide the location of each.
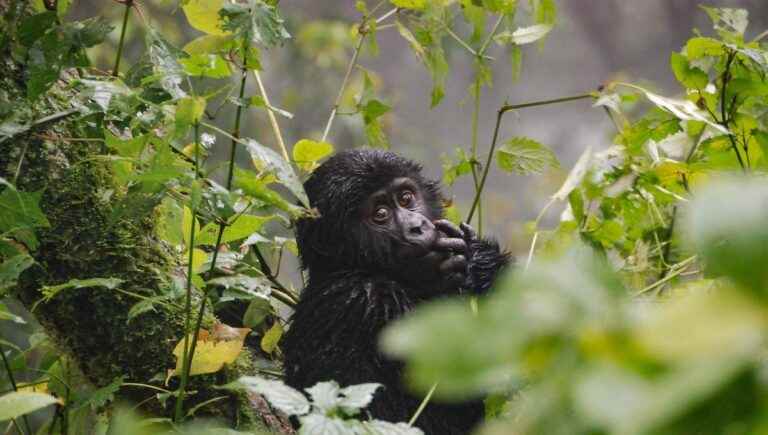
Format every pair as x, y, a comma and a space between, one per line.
406, 198
381, 215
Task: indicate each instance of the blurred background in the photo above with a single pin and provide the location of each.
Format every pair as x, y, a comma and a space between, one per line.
593, 41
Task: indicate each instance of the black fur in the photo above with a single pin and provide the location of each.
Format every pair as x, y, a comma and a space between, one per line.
353, 291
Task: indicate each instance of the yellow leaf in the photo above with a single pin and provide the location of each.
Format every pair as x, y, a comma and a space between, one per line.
198, 258
211, 353
203, 15
34, 388
271, 338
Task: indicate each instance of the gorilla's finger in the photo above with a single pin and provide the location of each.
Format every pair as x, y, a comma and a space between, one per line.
449, 228
469, 232
457, 263
450, 244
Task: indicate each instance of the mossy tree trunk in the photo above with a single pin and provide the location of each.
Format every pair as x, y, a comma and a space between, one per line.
85, 240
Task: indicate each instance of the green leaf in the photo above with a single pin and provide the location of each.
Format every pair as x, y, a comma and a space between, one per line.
270, 340
727, 225
165, 63
102, 396
256, 21
410, 4
189, 111
525, 156
206, 65
306, 153
682, 109
11, 268
257, 311
453, 170
523, 35
20, 209
728, 19
16, 404
49, 291
257, 188
241, 228
699, 47
130, 148
203, 15
209, 44
690, 77
268, 161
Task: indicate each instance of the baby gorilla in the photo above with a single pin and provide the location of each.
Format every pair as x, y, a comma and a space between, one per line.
379, 248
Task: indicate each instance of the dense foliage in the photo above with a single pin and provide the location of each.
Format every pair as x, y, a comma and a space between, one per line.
643, 311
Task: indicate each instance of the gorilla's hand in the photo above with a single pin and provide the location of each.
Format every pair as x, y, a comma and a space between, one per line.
455, 244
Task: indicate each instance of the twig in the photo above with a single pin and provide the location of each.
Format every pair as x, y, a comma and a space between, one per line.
678, 269
15, 387
504, 109
186, 357
350, 67
121, 43
271, 116
724, 114
422, 405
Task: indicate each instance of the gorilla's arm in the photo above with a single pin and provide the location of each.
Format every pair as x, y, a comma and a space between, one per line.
334, 336
485, 262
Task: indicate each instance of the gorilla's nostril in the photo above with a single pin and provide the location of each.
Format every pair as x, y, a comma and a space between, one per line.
417, 230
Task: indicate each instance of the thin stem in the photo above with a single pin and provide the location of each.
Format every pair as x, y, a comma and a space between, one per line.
678, 269
271, 116
350, 67
186, 354
761, 36
272, 277
724, 113
488, 40
422, 405
15, 387
128, 7
21, 161
230, 176
474, 156
461, 42
504, 109
387, 15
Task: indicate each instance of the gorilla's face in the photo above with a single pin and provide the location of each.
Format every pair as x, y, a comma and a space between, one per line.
400, 218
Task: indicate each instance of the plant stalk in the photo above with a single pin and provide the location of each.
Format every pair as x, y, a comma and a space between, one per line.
128, 6
504, 109
186, 355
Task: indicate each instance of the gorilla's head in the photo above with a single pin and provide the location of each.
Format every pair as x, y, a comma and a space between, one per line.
376, 212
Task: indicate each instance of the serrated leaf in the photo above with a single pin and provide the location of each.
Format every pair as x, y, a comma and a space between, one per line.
357, 397
324, 395
256, 20
524, 35
279, 395
16, 404
525, 156
682, 109
267, 160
